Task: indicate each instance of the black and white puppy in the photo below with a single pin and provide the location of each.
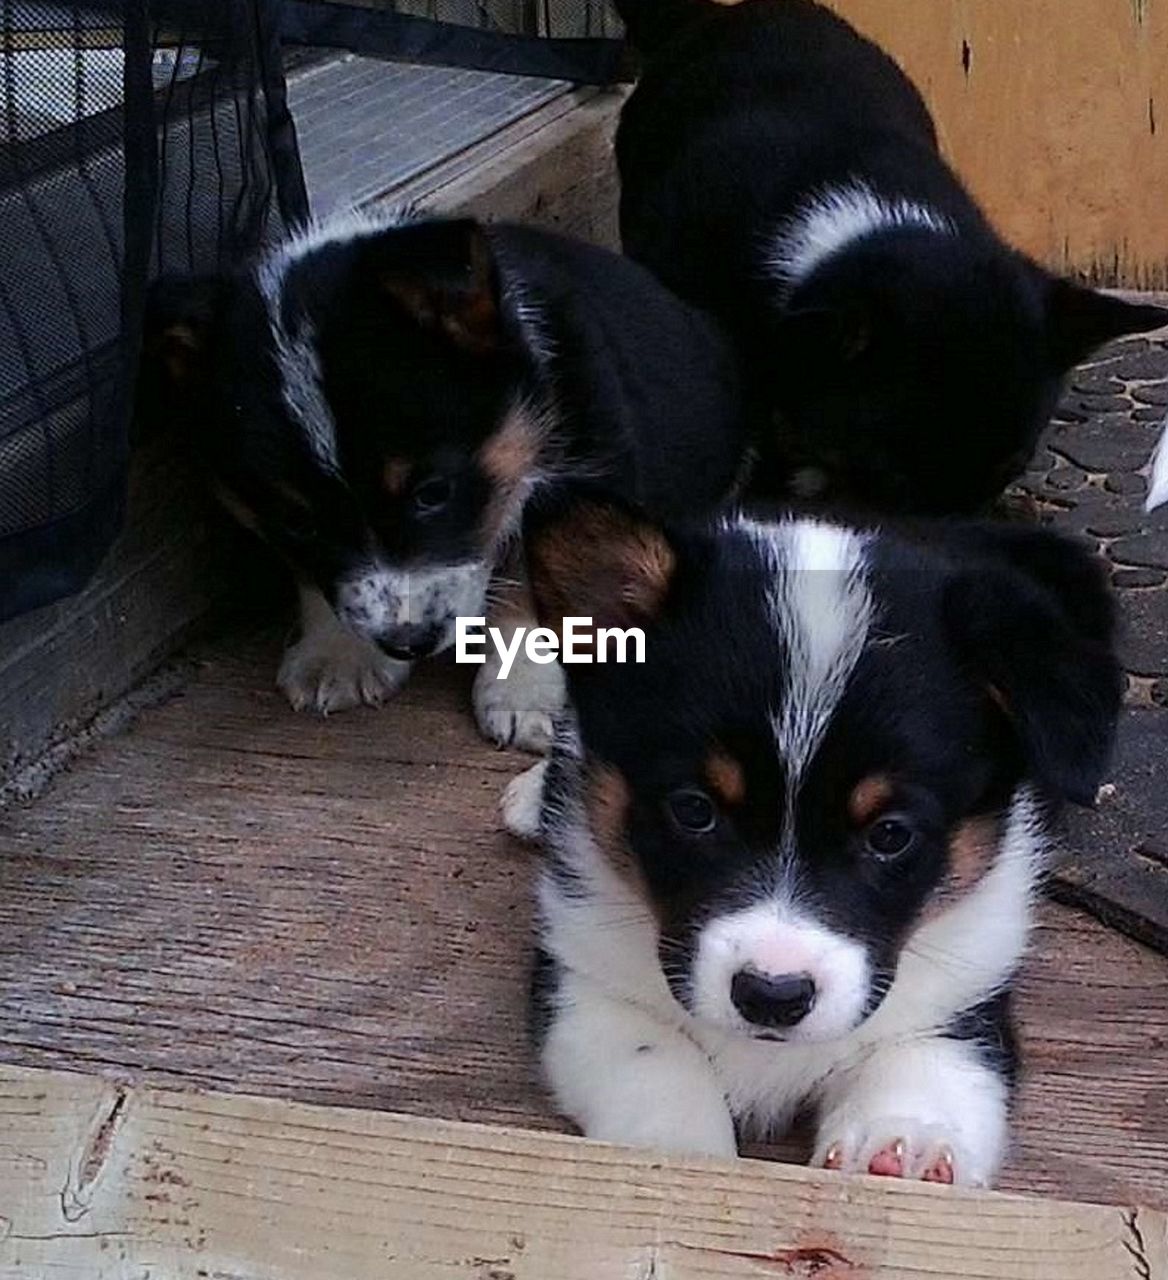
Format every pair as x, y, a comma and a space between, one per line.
781, 171
377, 398
791, 856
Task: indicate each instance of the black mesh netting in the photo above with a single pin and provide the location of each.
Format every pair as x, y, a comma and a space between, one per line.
578, 40
135, 137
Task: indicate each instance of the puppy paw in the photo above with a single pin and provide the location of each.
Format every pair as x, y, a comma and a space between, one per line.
898, 1147
333, 670
520, 710
522, 801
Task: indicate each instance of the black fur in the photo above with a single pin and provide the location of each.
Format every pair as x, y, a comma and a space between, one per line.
914, 370
990, 1026
545, 982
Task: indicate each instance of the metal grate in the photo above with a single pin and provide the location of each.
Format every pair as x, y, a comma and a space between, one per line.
366, 127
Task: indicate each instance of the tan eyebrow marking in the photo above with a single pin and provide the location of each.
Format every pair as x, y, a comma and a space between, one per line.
868, 797
726, 776
395, 475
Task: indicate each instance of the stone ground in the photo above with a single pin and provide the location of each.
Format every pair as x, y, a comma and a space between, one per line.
1086, 481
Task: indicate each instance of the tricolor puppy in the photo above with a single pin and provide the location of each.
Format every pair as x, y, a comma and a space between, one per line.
781, 171
378, 397
791, 857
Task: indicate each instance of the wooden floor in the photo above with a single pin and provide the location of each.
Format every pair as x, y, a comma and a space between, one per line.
234, 896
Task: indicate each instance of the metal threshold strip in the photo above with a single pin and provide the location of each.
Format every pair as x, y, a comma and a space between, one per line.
367, 127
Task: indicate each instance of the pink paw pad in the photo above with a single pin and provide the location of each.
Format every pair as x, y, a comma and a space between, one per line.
941, 1170
893, 1160
888, 1162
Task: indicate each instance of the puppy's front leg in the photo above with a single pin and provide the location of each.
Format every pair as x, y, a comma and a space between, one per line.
519, 709
624, 1077
931, 1108
330, 668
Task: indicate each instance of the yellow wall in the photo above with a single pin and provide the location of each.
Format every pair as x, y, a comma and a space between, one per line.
1052, 125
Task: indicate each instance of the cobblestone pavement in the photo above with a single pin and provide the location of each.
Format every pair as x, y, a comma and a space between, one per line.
1086, 480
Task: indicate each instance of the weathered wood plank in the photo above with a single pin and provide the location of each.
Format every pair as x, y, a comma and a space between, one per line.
100, 1181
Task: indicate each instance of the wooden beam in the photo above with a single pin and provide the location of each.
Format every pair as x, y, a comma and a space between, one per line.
100, 1181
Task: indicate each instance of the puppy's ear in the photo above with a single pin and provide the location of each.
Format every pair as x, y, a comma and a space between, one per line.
1079, 319
1032, 620
589, 555
176, 335
443, 274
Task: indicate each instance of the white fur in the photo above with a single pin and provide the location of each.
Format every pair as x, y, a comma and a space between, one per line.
1158, 474
297, 354
380, 599
836, 218
775, 938
604, 937
331, 669
298, 359
519, 710
522, 802
936, 1097
626, 1078
822, 610
340, 227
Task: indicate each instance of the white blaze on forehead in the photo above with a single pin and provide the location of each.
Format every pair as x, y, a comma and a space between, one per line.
836, 217
298, 360
294, 337
822, 610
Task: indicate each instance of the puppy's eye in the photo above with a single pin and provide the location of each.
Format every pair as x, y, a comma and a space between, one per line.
889, 837
432, 495
693, 811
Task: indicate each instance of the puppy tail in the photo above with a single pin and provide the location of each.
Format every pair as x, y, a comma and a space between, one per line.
649, 24
1158, 474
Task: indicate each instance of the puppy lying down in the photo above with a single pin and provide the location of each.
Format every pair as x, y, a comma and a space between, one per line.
790, 859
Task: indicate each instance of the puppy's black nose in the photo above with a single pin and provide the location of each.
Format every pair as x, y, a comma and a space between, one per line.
769, 1000
411, 642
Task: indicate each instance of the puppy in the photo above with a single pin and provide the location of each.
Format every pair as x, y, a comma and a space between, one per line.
377, 398
781, 171
791, 856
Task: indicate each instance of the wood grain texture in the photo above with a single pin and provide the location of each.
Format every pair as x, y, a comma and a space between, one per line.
60, 665
1055, 113
101, 1182
553, 169
233, 896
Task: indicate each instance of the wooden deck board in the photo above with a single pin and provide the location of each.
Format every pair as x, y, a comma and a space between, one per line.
101, 1182
233, 896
